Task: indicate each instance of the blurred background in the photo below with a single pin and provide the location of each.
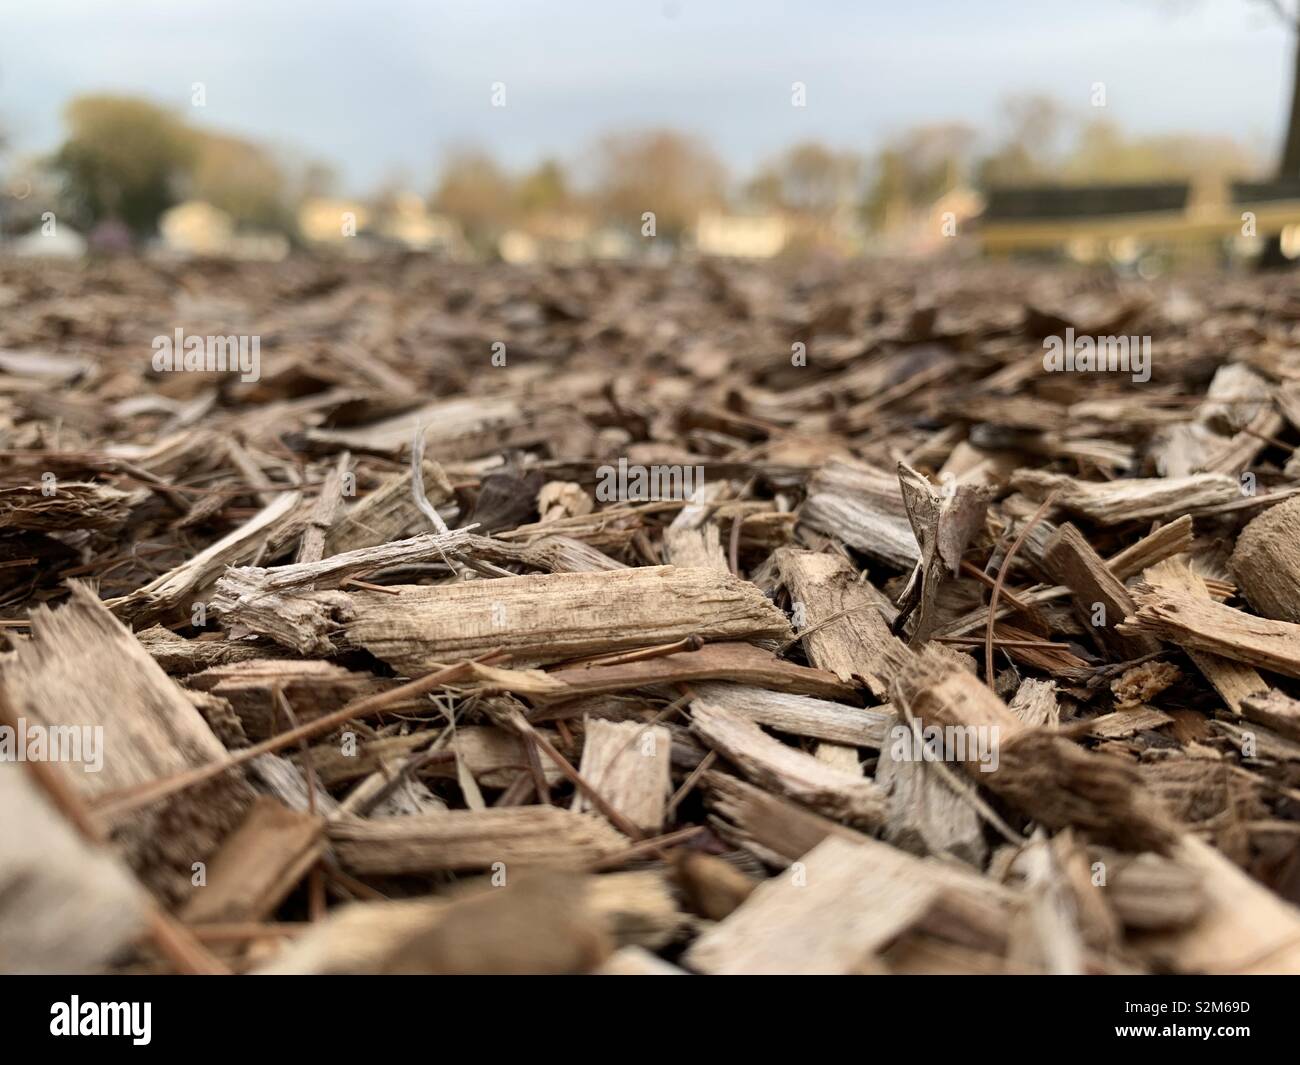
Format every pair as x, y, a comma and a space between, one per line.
1144, 134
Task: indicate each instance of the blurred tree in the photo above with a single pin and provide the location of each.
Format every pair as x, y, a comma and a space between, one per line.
1288, 164
809, 178
888, 193
1103, 153
242, 179
1027, 154
387, 198
477, 193
124, 159
544, 190
916, 168
315, 178
668, 173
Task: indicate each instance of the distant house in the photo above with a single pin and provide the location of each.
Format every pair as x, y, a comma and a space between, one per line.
331, 221
196, 228
741, 236
910, 229
63, 242
406, 221
610, 243
547, 237
1118, 221
516, 246
951, 211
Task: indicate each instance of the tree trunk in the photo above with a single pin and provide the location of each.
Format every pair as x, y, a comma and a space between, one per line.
1288, 167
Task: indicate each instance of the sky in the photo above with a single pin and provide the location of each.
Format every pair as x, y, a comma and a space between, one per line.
383, 87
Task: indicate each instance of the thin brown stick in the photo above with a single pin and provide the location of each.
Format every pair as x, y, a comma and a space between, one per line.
115, 804
689, 783
1046, 645
597, 800
655, 846
990, 673
687, 643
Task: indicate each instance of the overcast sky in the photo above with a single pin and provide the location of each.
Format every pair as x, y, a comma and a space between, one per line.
378, 85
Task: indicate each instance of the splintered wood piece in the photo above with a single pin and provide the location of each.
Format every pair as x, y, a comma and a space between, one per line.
636, 907
774, 829
1266, 561
181, 657
692, 539
312, 687
473, 839
538, 618
1234, 681
1204, 625
63, 505
550, 617
846, 633
387, 513
740, 662
862, 506
628, 765
838, 756
66, 906
778, 766
1244, 929
272, 602
1150, 892
257, 866
1276, 711
492, 756
459, 428
1048, 936
636, 961
1035, 703
800, 715
1100, 599
1127, 722
323, 511
539, 922
192, 579
943, 524
550, 554
926, 816
1044, 774
831, 915
1172, 539
84, 672
712, 886
1115, 502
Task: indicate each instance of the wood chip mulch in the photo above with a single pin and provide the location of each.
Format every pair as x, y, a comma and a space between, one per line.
708, 618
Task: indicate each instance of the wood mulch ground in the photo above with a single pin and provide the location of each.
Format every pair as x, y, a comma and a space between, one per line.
711, 618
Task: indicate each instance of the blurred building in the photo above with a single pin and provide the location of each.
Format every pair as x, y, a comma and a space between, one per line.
196, 228
1127, 223
328, 221
406, 221
63, 243
741, 236
555, 237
